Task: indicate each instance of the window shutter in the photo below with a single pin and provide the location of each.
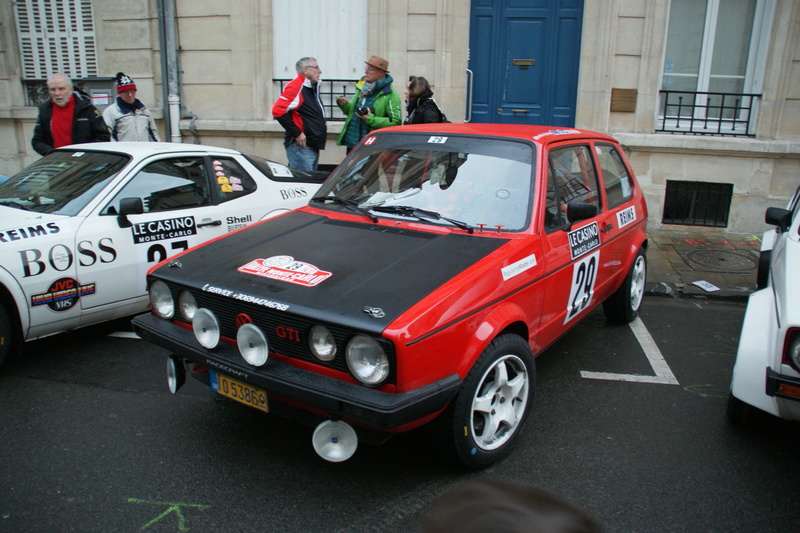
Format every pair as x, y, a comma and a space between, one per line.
56, 36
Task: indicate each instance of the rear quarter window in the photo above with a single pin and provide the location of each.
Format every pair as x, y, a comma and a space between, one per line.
616, 179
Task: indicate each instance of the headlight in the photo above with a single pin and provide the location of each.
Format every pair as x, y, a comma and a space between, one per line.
187, 304
367, 360
252, 344
793, 348
161, 299
206, 328
321, 343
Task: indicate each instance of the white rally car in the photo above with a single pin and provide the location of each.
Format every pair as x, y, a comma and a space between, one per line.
766, 374
80, 228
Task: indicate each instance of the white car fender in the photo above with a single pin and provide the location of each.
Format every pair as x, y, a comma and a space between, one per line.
10, 283
755, 350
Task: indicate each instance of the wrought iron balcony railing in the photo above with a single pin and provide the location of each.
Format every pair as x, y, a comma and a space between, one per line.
696, 113
328, 92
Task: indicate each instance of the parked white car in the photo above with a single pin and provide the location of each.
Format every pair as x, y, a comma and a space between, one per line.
80, 228
766, 374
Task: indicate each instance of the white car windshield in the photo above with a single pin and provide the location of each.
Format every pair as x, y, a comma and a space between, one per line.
61, 183
457, 180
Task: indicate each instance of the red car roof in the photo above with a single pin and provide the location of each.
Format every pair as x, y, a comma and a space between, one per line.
539, 134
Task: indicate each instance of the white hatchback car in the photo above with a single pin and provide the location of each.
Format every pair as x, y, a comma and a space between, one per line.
766, 374
80, 228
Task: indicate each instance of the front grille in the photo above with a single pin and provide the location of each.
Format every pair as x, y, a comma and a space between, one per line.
287, 334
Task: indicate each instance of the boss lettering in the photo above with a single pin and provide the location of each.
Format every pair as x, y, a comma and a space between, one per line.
60, 257
290, 194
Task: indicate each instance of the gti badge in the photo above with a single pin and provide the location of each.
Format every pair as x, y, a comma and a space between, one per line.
374, 312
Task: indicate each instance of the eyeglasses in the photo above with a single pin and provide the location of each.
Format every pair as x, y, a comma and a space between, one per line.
370, 69
315, 67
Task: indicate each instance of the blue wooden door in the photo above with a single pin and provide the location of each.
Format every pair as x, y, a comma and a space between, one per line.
524, 58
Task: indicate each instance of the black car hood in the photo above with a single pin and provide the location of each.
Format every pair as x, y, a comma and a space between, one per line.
363, 265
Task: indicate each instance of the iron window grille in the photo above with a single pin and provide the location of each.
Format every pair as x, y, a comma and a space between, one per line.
704, 113
328, 92
694, 203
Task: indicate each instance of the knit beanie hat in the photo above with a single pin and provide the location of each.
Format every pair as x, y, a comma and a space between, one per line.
124, 83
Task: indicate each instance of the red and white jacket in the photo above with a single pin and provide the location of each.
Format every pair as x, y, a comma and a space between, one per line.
299, 110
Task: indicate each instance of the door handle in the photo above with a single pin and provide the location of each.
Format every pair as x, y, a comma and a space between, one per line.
211, 223
607, 228
469, 95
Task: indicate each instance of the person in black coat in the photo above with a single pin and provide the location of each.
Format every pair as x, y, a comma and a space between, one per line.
67, 118
420, 105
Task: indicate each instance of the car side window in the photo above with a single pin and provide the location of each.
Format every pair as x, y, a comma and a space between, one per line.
232, 180
168, 184
571, 177
616, 179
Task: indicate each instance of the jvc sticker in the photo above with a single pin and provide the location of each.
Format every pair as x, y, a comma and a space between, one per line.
584, 240
62, 294
626, 216
584, 276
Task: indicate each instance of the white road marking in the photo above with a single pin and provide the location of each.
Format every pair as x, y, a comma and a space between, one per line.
663, 373
125, 335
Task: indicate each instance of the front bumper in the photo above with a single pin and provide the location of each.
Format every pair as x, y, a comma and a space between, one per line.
782, 386
338, 399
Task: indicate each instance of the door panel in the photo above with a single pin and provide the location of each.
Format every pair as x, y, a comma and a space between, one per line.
524, 55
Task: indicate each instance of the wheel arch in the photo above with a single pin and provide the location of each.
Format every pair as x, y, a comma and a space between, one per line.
13, 298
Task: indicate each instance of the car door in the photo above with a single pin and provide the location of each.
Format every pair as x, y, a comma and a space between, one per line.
185, 200
575, 259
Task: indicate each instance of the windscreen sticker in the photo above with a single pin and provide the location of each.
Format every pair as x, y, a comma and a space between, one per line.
63, 294
626, 216
518, 268
159, 230
554, 132
285, 268
584, 275
437, 140
584, 240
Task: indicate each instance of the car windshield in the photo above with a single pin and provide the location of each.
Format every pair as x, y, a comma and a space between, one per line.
61, 183
457, 180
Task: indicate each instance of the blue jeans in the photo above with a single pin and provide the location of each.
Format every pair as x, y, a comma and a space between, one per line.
302, 158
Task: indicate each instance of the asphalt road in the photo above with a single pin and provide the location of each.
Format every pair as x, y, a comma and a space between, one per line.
92, 442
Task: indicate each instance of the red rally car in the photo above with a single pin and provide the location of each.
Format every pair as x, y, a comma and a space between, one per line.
419, 284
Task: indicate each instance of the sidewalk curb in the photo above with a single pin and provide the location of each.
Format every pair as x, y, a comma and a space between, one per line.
676, 290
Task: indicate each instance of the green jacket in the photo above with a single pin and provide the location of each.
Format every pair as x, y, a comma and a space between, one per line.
383, 99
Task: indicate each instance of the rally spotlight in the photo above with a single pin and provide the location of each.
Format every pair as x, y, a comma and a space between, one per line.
335, 441
176, 373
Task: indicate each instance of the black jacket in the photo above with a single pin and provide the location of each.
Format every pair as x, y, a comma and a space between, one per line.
87, 125
423, 110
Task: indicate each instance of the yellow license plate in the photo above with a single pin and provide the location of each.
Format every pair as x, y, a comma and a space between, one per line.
241, 392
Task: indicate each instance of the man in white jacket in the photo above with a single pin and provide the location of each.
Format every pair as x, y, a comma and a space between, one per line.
128, 119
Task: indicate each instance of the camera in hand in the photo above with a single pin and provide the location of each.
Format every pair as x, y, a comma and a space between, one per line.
364, 110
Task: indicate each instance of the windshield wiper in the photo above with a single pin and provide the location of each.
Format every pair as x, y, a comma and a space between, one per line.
420, 213
16, 205
350, 204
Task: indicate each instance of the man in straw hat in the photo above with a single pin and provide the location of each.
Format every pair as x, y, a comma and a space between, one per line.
375, 104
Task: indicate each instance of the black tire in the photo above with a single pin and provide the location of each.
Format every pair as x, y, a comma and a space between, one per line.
762, 276
8, 333
484, 420
738, 412
623, 306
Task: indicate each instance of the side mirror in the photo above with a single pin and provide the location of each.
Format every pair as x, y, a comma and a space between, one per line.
129, 206
775, 216
577, 211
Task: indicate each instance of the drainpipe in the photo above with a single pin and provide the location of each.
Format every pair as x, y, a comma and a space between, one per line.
169, 69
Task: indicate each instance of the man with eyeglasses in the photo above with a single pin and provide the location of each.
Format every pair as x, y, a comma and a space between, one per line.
299, 110
376, 104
